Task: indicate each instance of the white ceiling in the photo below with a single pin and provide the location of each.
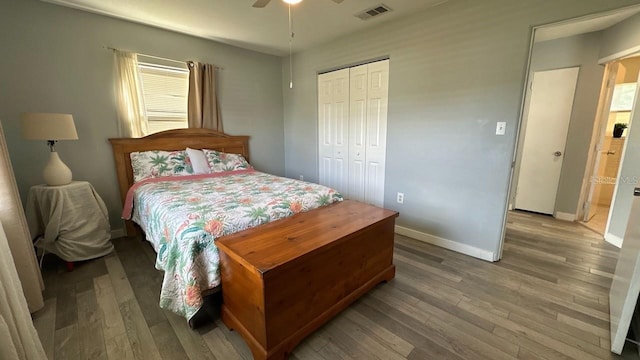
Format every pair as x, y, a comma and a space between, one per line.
236, 22
584, 25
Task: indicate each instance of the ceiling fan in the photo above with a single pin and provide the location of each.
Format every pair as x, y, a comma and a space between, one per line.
263, 3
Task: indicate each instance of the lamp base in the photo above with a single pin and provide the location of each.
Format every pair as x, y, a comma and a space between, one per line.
56, 173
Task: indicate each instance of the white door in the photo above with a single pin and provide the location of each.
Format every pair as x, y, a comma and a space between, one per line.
352, 116
333, 119
358, 131
602, 113
545, 138
625, 286
376, 139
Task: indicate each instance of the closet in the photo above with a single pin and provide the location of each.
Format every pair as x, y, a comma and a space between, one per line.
352, 120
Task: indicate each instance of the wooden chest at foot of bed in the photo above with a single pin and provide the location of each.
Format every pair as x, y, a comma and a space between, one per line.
283, 280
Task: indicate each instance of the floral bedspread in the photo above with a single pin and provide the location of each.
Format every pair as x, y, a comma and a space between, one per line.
182, 218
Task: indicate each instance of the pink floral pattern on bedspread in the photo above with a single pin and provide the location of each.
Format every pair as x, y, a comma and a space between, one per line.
182, 219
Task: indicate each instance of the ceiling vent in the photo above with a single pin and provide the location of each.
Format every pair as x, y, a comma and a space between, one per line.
374, 11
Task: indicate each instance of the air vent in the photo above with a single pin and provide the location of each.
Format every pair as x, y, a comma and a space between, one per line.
374, 11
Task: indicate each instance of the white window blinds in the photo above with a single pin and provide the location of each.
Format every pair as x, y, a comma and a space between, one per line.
164, 90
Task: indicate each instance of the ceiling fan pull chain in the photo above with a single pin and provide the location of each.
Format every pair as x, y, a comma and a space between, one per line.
291, 35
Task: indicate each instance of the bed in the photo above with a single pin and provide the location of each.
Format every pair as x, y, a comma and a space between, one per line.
372, 264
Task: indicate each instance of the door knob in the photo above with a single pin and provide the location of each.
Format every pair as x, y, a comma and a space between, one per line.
557, 153
611, 152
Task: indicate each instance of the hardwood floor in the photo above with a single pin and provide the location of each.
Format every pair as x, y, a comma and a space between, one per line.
598, 222
547, 299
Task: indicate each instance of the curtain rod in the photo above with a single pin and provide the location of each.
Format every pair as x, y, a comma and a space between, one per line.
157, 57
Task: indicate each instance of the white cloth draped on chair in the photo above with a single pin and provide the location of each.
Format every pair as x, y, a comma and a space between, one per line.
20, 280
203, 111
130, 106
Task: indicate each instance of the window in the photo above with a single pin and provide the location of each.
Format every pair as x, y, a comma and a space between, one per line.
164, 91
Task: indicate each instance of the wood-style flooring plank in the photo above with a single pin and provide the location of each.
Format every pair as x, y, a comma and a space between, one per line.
119, 280
330, 351
67, 343
66, 306
547, 299
219, 345
167, 342
236, 341
118, 348
45, 323
90, 326
379, 333
113, 330
191, 341
140, 338
542, 338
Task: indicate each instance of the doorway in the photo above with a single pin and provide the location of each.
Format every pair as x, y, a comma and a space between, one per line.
612, 127
546, 127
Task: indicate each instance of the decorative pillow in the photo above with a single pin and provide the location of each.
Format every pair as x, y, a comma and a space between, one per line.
156, 163
198, 161
219, 161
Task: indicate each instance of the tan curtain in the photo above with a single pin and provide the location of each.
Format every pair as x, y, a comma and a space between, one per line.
204, 111
20, 277
130, 105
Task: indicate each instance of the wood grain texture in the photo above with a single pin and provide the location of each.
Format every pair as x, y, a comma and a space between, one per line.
90, 326
441, 305
67, 343
45, 323
283, 280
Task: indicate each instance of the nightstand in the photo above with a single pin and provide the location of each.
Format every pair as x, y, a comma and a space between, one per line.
70, 221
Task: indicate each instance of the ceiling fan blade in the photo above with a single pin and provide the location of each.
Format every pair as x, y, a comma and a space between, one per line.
338, 1
261, 3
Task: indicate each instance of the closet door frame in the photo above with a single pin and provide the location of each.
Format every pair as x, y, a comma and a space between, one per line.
361, 159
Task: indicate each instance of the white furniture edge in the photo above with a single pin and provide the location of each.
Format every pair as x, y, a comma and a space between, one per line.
447, 244
613, 240
565, 216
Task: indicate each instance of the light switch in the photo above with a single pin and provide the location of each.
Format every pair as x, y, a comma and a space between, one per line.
501, 128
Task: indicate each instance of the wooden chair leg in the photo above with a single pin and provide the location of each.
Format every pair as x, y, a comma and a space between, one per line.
69, 266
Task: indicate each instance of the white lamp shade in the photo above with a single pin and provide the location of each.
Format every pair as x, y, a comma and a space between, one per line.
48, 126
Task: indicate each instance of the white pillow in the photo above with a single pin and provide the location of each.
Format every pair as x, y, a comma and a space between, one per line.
198, 161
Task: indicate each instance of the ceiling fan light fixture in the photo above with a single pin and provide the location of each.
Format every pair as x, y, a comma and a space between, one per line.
292, 2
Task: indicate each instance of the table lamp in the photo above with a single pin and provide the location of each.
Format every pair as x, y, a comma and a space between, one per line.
51, 127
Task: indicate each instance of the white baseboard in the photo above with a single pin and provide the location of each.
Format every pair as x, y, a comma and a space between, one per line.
613, 240
117, 233
447, 244
565, 216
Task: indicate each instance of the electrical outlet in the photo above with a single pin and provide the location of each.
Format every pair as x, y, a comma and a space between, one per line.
501, 128
302, 177
400, 198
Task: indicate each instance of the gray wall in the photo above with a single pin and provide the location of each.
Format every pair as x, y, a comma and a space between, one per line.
621, 37
455, 70
582, 51
53, 61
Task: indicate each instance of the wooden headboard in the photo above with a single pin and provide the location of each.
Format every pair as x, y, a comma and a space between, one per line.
170, 140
